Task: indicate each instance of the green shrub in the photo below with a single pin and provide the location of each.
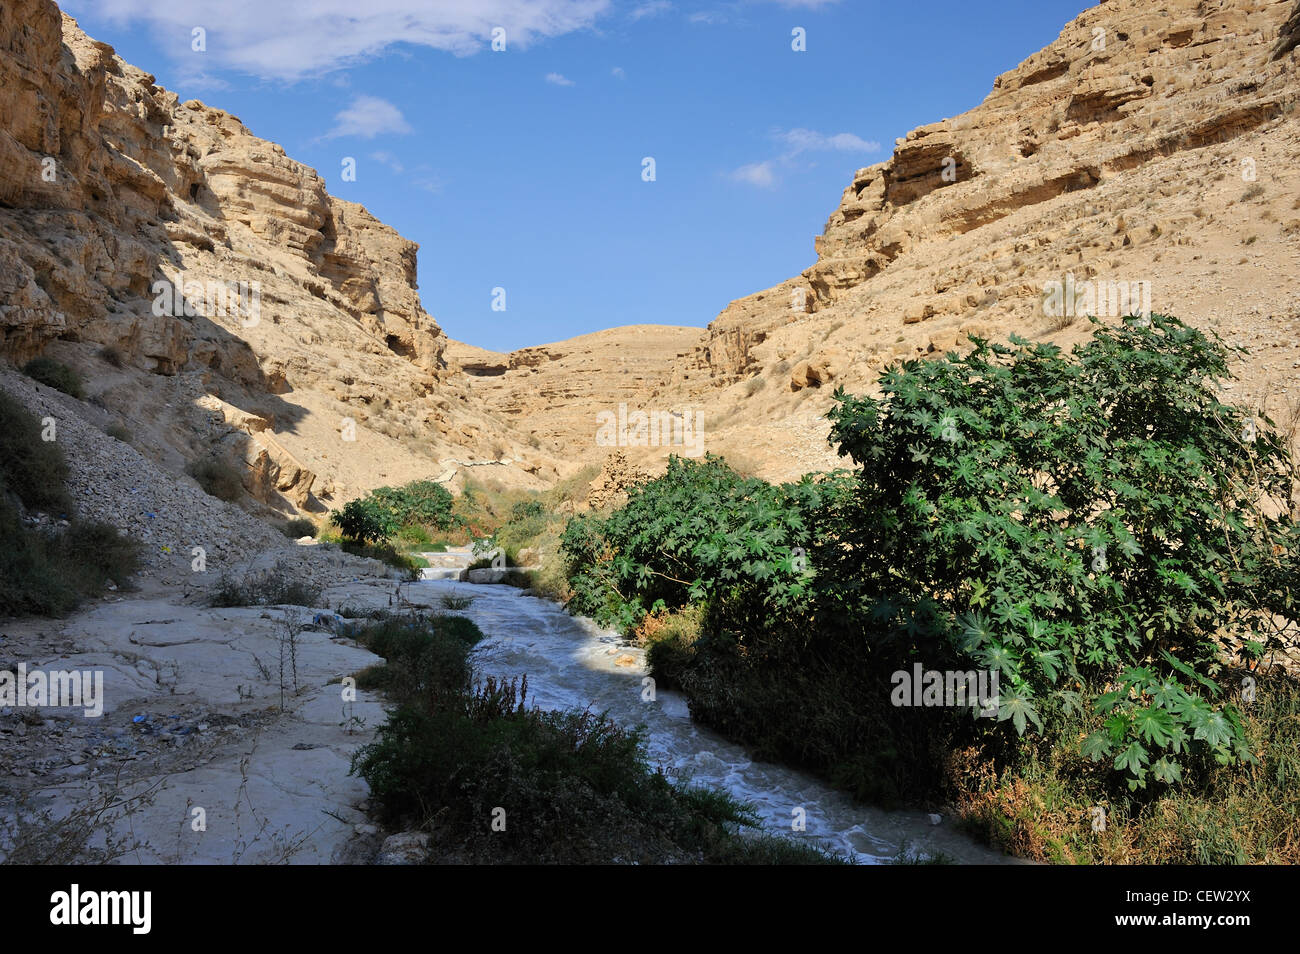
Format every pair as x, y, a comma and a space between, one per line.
421, 502
105, 554
112, 355
49, 571
699, 533
55, 374
32, 469
526, 510
118, 432
551, 580
574, 787
1072, 523
425, 656
363, 521
386, 553
669, 638
276, 586
218, 478
414, 535
299, 527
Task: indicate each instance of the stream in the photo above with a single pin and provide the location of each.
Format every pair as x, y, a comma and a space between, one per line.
571, 662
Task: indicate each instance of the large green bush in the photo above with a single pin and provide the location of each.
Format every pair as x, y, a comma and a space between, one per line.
1071, 522
421, 502
388, 511
699, 533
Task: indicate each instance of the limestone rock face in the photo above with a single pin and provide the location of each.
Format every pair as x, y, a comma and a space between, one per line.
555, 393
213, 264
609, 489
1149, 143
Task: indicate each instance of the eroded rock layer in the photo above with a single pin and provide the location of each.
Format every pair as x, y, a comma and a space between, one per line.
178, 260
1152, 146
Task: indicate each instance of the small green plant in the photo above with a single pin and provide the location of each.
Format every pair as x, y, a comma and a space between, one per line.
119, 432
47, 567
217, 477
276, 586
111, 355
55, 374
299, 527
31, 468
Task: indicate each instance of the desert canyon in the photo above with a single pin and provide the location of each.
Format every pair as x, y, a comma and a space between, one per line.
1152, 142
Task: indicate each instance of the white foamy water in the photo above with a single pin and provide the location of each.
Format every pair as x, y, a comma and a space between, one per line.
573, 663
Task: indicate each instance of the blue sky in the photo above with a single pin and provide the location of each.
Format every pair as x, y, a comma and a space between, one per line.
522, 169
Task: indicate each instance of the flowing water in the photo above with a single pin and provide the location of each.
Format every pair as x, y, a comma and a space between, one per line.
573, 663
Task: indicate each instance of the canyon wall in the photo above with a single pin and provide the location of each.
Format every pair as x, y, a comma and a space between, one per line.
213, 292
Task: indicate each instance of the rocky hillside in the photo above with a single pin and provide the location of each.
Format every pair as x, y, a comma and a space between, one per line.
215, 296
1151, 148
1150, 143
552, 393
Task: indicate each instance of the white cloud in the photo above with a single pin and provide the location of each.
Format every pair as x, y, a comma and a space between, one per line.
558, 79
428, 183
618, 72
389, 160
650, 9
760, 174
804, 140
188, 78
708, 17
290, 39
805, 4
368, 117
797, 142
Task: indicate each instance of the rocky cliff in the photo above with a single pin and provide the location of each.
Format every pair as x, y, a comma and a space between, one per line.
1152, 148
218, 298
1150, 142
